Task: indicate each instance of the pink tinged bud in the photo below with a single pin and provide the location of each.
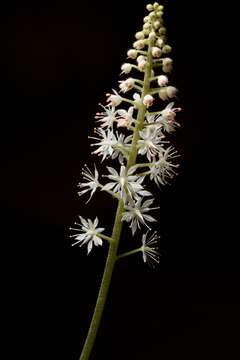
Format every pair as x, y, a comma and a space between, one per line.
139, 44
139, 35
114, 100
163, 94
132, 54
162, 80
156, 52
148, 100
126, 68
171, 91
122, 122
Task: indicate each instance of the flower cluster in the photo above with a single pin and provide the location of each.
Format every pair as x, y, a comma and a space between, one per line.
133, 137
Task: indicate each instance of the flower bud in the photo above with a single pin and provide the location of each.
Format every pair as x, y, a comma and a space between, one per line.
162, 80
152, 15
163, 94
139, 35
114, 100
149, 7
147, 26
156, 24
146, 32
140, 58
146, 19
167, 65
132, 54
126, 68
171, 91
152, 35
139, 44
155, 6
126, 85
166, 49
159, 13
159, 42
148, 100
156, 52
162, 30
142, 65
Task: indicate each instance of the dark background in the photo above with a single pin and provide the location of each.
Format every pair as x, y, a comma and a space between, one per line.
58, 60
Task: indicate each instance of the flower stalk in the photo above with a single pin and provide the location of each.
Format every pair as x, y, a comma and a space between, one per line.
146, 130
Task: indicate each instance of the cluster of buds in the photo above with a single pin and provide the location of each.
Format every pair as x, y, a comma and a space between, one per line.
141, 150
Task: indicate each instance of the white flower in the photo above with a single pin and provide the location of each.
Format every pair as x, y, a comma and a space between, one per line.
167, 118
126, 85
125, 118
105, 143
150, 142
92, 182
123, 145
107, 117
162, 80
163, 169
126, 68
142, 65
159, 42
125, 183
88, 233
132, 53
149, 248
136, 214
115, 99
148, 100
139, 35
167, 65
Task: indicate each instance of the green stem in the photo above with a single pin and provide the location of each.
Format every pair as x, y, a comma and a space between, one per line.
117, 228
131, 252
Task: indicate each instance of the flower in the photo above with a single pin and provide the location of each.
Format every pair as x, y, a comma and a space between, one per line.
167, 118
125, 118
122, 146
139, 44
136, 214
148, 100
115, 99
92, 182
105, 143
149, 144
125, 183
107, 117
149, 252
139, 35
167, 65
163, 169
126, 85
88, 233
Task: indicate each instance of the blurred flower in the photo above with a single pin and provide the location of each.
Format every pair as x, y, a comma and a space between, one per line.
149, 248
91, 184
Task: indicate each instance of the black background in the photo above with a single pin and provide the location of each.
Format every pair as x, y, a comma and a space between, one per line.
58, 60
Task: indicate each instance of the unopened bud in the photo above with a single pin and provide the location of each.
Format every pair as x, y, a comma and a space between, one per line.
152, 35
162, 80
148, 100
149, 7
146, 19
147, 26
139, 44
146, 32
162, 30
171, 91
140, 58
155, 6
167, 65
159, 42
139, 35
166, 49
156, 24
156, 52
142, 65
132, 54
163, 94
159, 13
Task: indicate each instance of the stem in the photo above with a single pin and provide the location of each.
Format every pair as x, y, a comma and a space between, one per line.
117, 228
131, 252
